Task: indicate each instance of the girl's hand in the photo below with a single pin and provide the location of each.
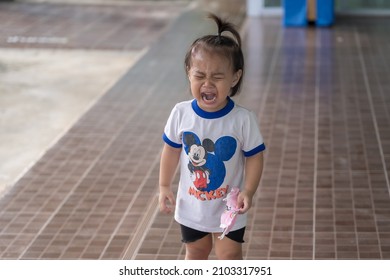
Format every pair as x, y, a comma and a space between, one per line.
244, 201
166, 200
253, 170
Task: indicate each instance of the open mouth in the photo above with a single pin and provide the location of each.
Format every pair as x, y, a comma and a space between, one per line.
208, 97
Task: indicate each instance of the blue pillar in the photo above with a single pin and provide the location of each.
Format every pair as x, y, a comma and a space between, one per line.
325, 12
295, 12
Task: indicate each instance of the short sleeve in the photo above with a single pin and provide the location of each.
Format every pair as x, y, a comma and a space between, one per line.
253, 140
171, 134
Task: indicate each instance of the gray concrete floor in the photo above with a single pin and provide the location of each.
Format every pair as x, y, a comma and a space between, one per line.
43, 93
51, 72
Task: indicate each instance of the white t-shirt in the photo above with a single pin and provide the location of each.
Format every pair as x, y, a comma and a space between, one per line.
214, 146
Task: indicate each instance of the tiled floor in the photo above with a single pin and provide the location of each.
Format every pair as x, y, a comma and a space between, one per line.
322, 97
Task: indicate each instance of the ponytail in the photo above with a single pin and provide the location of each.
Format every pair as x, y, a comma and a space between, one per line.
224, 26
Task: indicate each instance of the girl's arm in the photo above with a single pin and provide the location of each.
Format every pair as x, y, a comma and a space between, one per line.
253, 171
169, 159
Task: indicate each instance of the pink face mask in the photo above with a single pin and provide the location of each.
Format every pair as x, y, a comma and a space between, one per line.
229, 216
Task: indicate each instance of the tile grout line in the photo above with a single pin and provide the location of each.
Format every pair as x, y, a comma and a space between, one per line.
271, 74
350, 178
369, 95
332, 165
261, 112
316, 135
298, 172
372, 109
380, 243
350, 172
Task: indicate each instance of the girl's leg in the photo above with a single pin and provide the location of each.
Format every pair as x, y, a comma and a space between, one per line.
199, 249
227, 249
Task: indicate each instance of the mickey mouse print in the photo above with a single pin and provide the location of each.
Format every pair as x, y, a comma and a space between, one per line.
206, 164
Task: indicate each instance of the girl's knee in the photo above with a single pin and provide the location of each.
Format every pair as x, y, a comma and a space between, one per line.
228, 249
195, 253
200, 249
194, 256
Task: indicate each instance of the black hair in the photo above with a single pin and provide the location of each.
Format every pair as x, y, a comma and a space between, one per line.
221, 44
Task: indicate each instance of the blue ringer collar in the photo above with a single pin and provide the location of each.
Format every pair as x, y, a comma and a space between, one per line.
213, 115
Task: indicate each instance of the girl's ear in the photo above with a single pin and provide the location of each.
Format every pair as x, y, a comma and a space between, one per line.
236, 77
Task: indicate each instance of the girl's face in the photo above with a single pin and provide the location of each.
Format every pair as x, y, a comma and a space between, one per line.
211, 79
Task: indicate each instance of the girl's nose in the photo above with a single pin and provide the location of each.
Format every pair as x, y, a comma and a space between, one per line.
208, 82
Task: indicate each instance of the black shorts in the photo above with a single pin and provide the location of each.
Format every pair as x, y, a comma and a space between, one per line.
191, 235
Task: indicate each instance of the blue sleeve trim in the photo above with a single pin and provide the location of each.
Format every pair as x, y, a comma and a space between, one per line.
170, 143
254, 151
